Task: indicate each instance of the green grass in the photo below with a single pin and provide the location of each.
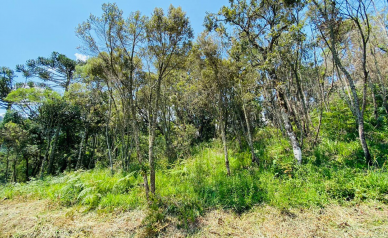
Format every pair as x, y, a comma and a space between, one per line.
201, 182
333, 172
194, 185
95, 188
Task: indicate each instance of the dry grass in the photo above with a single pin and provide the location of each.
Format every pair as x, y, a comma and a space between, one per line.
334, 221
44, 219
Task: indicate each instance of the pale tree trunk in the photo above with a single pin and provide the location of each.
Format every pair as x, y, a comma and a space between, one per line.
285, 117
356, 105
288, 128
291, 135
357, 110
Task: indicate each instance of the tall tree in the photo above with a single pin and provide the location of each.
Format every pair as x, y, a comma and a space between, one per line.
330, 17
57, 69
116, 41
216, 68
259, 26
168, 42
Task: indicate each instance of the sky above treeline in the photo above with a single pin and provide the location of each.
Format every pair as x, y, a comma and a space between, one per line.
33, 28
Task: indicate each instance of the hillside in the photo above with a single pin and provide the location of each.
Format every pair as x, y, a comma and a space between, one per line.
195, 198
265, 119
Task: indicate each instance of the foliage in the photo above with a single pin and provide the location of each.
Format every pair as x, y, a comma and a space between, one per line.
278, 102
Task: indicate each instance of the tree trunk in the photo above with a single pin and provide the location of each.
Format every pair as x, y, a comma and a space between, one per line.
250, 141
52, 152
36, 166
46, 154
91, 160
14, 175
68, 80
223, 131
7, 167
139, 154
135, 129
358, 112
288, 127
107, 139
84, 141
27, 168
356, 105
373, 91
152, 127
224, 143
237, 134
302, 99
146, 188
319, 126
151, 160
381, 83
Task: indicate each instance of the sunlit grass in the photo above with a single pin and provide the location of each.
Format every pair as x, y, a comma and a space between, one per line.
202, 180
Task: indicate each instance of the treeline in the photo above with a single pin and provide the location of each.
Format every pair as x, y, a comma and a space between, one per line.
150, 91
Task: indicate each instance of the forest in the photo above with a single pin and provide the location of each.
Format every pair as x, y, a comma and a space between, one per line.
282, 103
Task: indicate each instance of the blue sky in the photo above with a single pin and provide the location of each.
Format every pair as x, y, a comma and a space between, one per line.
32, 28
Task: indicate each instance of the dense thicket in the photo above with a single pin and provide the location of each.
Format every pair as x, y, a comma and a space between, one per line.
314, 71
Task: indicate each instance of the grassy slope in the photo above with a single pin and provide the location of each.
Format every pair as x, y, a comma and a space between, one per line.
193, 189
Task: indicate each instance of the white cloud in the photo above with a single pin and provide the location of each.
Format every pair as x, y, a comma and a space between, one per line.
81, 57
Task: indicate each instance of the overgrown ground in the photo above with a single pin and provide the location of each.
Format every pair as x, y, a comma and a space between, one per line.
43, 218
332, 194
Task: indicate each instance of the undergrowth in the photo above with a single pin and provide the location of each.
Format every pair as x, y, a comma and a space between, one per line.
202, 179
199, 183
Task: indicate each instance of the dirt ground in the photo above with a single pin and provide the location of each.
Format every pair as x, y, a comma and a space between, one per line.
42, 218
